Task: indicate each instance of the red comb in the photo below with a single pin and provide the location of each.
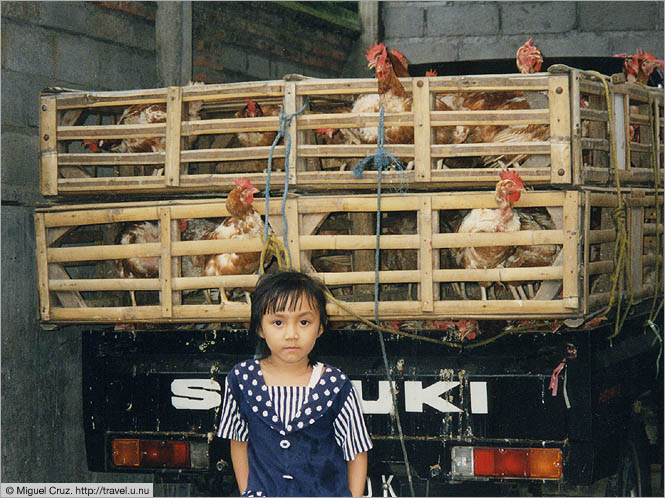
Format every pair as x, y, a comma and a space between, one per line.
244, 182
325, 131
93, 145
431, 72
512, 175
374, 51
250, 105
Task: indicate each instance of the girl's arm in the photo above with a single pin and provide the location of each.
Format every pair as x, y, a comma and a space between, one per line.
357, 474
241, 464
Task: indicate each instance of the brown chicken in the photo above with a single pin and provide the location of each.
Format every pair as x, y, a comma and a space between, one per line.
144, 114
391, 95
638, 67
244, 223
528, 60
138, 233
531, 256
501, 219
258, 138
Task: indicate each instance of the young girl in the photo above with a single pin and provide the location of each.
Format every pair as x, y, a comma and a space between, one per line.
295, 424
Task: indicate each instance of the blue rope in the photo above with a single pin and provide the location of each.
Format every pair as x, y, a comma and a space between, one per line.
382, 160
284, 123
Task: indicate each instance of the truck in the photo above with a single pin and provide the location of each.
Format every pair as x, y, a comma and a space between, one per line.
557, 390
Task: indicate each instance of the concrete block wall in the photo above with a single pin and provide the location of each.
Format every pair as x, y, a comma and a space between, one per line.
84, 45
453, 31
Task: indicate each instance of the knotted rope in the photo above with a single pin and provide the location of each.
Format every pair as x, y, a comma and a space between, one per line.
284, 123
622, 244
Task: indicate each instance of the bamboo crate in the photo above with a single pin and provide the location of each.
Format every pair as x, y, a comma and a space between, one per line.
334, 236
202, 155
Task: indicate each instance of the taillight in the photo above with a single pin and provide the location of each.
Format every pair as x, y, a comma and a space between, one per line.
525, 463
152, 453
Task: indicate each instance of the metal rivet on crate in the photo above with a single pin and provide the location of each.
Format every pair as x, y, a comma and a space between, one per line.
46, 137
559, 90
561, 172
420, 84
44, 107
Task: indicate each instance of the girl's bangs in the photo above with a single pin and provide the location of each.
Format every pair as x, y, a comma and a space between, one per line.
292, 297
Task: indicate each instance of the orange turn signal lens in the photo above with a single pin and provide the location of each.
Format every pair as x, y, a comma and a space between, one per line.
126, 452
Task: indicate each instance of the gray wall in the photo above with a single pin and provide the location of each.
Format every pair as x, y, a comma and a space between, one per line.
452, 31
74, 45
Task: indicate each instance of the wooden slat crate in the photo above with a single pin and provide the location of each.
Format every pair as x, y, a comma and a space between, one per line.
334, 236
637, 123
200, 150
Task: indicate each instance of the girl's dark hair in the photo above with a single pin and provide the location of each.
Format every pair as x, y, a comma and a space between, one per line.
272, 294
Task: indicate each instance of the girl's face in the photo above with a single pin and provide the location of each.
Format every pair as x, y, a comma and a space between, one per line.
291, 335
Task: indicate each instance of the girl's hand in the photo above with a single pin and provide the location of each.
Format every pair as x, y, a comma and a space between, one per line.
240, 463
357, 474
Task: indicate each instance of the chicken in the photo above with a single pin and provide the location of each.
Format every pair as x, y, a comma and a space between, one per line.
195, 229
502, 219
144, 114
258, 138
535, 255
138, 233
391, 96
528, 60
244, 223
638, 67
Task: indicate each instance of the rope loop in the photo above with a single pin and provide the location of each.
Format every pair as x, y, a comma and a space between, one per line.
284, 123
382, 160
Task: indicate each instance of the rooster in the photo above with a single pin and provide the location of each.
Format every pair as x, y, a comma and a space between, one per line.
508, 191
244, 223
391, 96
528, 60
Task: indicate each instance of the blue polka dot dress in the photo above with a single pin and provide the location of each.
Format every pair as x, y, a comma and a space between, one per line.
299, 437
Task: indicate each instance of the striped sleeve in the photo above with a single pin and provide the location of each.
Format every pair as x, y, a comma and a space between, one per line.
350, 430
231, 424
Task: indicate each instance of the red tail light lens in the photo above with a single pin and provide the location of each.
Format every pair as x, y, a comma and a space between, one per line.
151, 453
525, 463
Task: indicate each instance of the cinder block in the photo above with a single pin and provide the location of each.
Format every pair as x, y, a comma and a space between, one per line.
408, 22
25, 11
462, 18
234, 59
283, 67
27, 49
20, 162
611, 16
628, 42
258, 66
77, 59
88, 19
423, 50
537, 17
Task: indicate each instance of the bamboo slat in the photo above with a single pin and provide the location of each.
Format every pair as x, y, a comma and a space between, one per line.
48, 152
422, 129
563, 155
42, 266
173, 141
